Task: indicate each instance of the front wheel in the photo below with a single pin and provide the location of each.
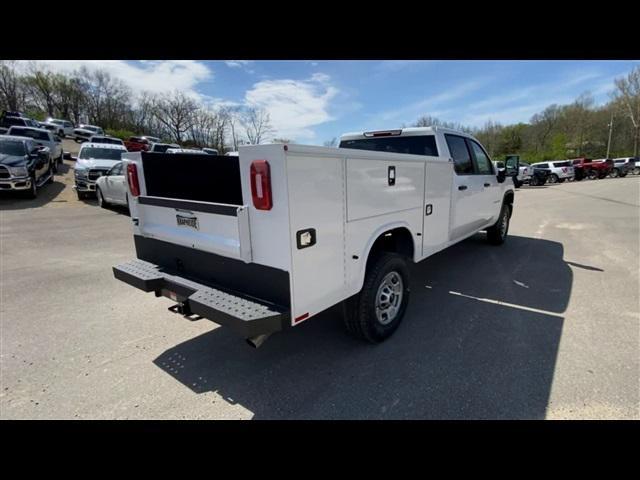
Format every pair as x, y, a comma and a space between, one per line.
376, 312
33, 191
636, 171
101, 202
497, 234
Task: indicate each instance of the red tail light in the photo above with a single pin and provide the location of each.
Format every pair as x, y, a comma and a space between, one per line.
261, 185
132, 177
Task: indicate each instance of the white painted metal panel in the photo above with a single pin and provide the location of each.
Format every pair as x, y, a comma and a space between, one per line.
438, 187
269, 228
316, 200
219, 234
369, 193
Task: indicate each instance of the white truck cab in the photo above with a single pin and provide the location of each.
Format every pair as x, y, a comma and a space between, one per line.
266, 240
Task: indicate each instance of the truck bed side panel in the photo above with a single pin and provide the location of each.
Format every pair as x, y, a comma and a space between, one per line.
371, 192
438, 191
316, 201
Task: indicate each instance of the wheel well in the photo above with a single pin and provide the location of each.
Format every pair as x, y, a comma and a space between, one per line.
397, 240
508, 198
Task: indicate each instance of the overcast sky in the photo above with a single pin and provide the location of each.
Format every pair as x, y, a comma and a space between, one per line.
313, 101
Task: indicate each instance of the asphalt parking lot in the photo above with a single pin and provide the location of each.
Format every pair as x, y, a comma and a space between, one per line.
546, 326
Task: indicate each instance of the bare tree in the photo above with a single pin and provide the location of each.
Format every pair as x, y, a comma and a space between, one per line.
257, 124
42, 86
628, 94
11, 92
177, 113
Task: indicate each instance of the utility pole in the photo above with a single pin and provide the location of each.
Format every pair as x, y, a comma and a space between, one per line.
610, 130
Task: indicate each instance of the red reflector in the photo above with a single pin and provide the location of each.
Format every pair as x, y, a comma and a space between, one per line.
301, 317
132, 178
261, 185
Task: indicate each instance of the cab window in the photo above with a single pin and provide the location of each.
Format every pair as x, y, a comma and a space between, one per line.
460, 154
483, 164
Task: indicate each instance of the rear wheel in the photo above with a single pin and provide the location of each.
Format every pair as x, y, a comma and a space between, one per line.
533, 182
497, 234
636, 171
614, 173
592, 175
376, 312
553, 178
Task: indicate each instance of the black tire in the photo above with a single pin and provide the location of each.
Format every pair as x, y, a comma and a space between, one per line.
53, 167
101, 201
497, 234
592, 175
553, 178
614, 173
33, 191
360, 317
636, 170
533, 182
561, 180
517, 182
622, 175
81, 195
50, 172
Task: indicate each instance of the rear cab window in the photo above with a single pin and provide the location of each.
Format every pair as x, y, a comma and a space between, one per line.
412, 144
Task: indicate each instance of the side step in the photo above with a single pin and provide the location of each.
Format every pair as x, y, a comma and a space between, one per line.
247, 316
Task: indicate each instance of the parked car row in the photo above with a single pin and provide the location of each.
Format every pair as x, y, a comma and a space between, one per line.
558, 171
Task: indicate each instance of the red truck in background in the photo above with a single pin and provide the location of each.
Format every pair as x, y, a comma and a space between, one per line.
591, 169
139, 144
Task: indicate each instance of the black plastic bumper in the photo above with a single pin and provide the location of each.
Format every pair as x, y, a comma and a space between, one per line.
247, 316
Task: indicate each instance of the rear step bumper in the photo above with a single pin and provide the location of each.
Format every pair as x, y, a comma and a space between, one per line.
247, 316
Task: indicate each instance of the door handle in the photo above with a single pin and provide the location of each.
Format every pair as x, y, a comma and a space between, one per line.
487, 184
462, 187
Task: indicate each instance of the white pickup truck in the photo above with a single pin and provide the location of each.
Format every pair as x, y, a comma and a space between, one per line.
266, 240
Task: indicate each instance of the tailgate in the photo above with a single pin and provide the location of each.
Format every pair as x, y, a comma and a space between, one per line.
212, 227
195, 201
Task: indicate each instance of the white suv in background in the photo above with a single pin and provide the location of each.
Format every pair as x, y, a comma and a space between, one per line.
559, 170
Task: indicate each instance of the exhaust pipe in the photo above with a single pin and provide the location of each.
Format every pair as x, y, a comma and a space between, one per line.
258, 340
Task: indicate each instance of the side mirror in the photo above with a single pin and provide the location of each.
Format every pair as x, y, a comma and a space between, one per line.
502, 175
44, 152
512, 165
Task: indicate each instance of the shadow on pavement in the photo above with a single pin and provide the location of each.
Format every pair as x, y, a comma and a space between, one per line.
458, 353
14, 200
